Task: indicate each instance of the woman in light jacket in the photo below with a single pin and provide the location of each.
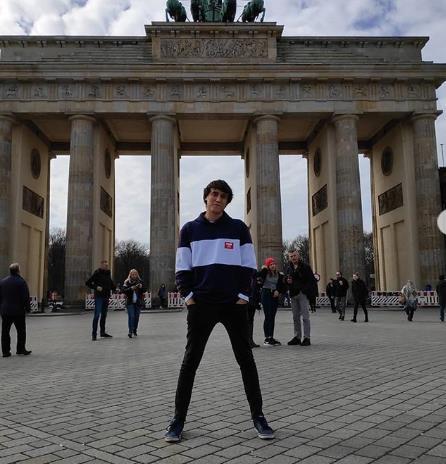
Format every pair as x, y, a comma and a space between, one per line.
409, 293
134, 289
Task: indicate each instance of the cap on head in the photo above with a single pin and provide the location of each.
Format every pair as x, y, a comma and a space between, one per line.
269, 261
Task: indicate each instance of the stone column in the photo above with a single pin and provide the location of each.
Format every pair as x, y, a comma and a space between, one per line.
79, 247
163, 205
428, 200
269, 205
348, 197
6, 124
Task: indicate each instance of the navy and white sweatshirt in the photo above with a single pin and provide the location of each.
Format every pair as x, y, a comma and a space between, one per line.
215, 260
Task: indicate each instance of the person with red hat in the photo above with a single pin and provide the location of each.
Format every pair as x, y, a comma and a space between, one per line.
273, 285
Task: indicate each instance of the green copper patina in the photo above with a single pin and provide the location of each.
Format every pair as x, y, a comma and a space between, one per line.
214, 11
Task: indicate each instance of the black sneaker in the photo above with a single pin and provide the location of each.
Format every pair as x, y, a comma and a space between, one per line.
174, 431
264, 431
306, 342
94, 337
130, 335
295, 341
134, 333
353, 320
275, 342
6, 355
106, 335
253, 344
268, 342
24, 352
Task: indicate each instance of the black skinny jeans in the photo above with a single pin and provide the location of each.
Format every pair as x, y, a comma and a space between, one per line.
364, 308
19, 322
201, 320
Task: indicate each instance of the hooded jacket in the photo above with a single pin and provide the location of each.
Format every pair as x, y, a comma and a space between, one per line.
101, 278
215, 260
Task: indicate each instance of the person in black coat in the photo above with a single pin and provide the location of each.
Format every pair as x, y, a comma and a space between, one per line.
134, 290
341, 289
103, 285
14, 304
441, 292
330, 291
360, 294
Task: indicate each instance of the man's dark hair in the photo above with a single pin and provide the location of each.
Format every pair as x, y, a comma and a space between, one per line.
441, 277
14, 269
218, 185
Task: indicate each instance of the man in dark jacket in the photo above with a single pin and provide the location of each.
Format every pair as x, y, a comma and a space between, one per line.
14, 304
103, 285
330, 291
360, 293
441, 292
214, 267
302, 286
341, 286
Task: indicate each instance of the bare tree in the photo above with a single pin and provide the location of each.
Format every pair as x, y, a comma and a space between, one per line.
301, 244
56, 261
130, 254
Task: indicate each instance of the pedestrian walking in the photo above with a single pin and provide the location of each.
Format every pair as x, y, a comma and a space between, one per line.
360, 294
214, 267
341, 289
14, 304
273, 285
330, 291
162, 295
409, 294
302, 286
102, 284
441, 293
134, 290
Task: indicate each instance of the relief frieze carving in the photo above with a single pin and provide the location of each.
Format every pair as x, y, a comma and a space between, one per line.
214, 48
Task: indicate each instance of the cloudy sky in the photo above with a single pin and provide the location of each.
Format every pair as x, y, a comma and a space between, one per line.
300, 17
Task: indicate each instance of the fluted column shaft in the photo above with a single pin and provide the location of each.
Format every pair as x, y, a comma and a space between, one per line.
6, 124
163, 210
348, 197
428, 203
269, 205
79, 246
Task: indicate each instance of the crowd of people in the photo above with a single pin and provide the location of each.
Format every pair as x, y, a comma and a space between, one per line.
216, 274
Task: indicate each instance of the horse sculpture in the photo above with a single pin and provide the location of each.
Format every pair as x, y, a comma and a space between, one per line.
176, 10
229, 11
253, 10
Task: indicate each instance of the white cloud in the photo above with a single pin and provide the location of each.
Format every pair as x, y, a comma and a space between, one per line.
301, 17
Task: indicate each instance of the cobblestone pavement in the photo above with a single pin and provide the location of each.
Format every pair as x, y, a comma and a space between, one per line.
361, 393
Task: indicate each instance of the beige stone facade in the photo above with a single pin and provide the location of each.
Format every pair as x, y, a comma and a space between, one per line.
239, 89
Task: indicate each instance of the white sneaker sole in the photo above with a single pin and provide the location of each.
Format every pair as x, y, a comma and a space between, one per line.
172, 440
266, 437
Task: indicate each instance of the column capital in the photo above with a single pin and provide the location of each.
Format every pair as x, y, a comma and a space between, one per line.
427, 115
85, 117
8, 117
337, 117
171, 117
266, 117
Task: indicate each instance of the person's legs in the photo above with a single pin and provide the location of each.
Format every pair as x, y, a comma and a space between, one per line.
200, 323
136, 323
295, 308
20, 325
355, 311
442, 307
268, 327
274, 305
98, 301
338, 306
235, 321
131, 317
366, 314
304, 312
250, 318
332, 304
104, 310
6, 338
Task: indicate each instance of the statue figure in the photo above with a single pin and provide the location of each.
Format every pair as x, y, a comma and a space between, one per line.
229, 11
253, 10
196, 8
176, 10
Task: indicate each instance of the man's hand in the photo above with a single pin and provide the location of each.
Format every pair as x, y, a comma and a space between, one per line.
190, 302
99, 288
275, 294
241, 301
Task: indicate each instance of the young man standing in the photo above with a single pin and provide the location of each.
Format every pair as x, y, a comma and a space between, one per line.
103, 285
341, 288
303, 289
214, 268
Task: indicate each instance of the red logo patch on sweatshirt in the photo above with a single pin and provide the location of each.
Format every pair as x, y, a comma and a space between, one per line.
229, 246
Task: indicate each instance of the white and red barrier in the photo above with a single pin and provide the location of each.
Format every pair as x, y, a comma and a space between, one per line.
175, 300
34, 304
391, 299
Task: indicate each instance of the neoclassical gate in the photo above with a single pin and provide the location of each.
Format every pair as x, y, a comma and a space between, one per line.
235, 89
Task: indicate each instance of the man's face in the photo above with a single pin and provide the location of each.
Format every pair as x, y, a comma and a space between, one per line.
294, 257
216, 201
338, 275
104, 265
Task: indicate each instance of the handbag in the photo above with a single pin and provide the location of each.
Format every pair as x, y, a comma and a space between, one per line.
402, 299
